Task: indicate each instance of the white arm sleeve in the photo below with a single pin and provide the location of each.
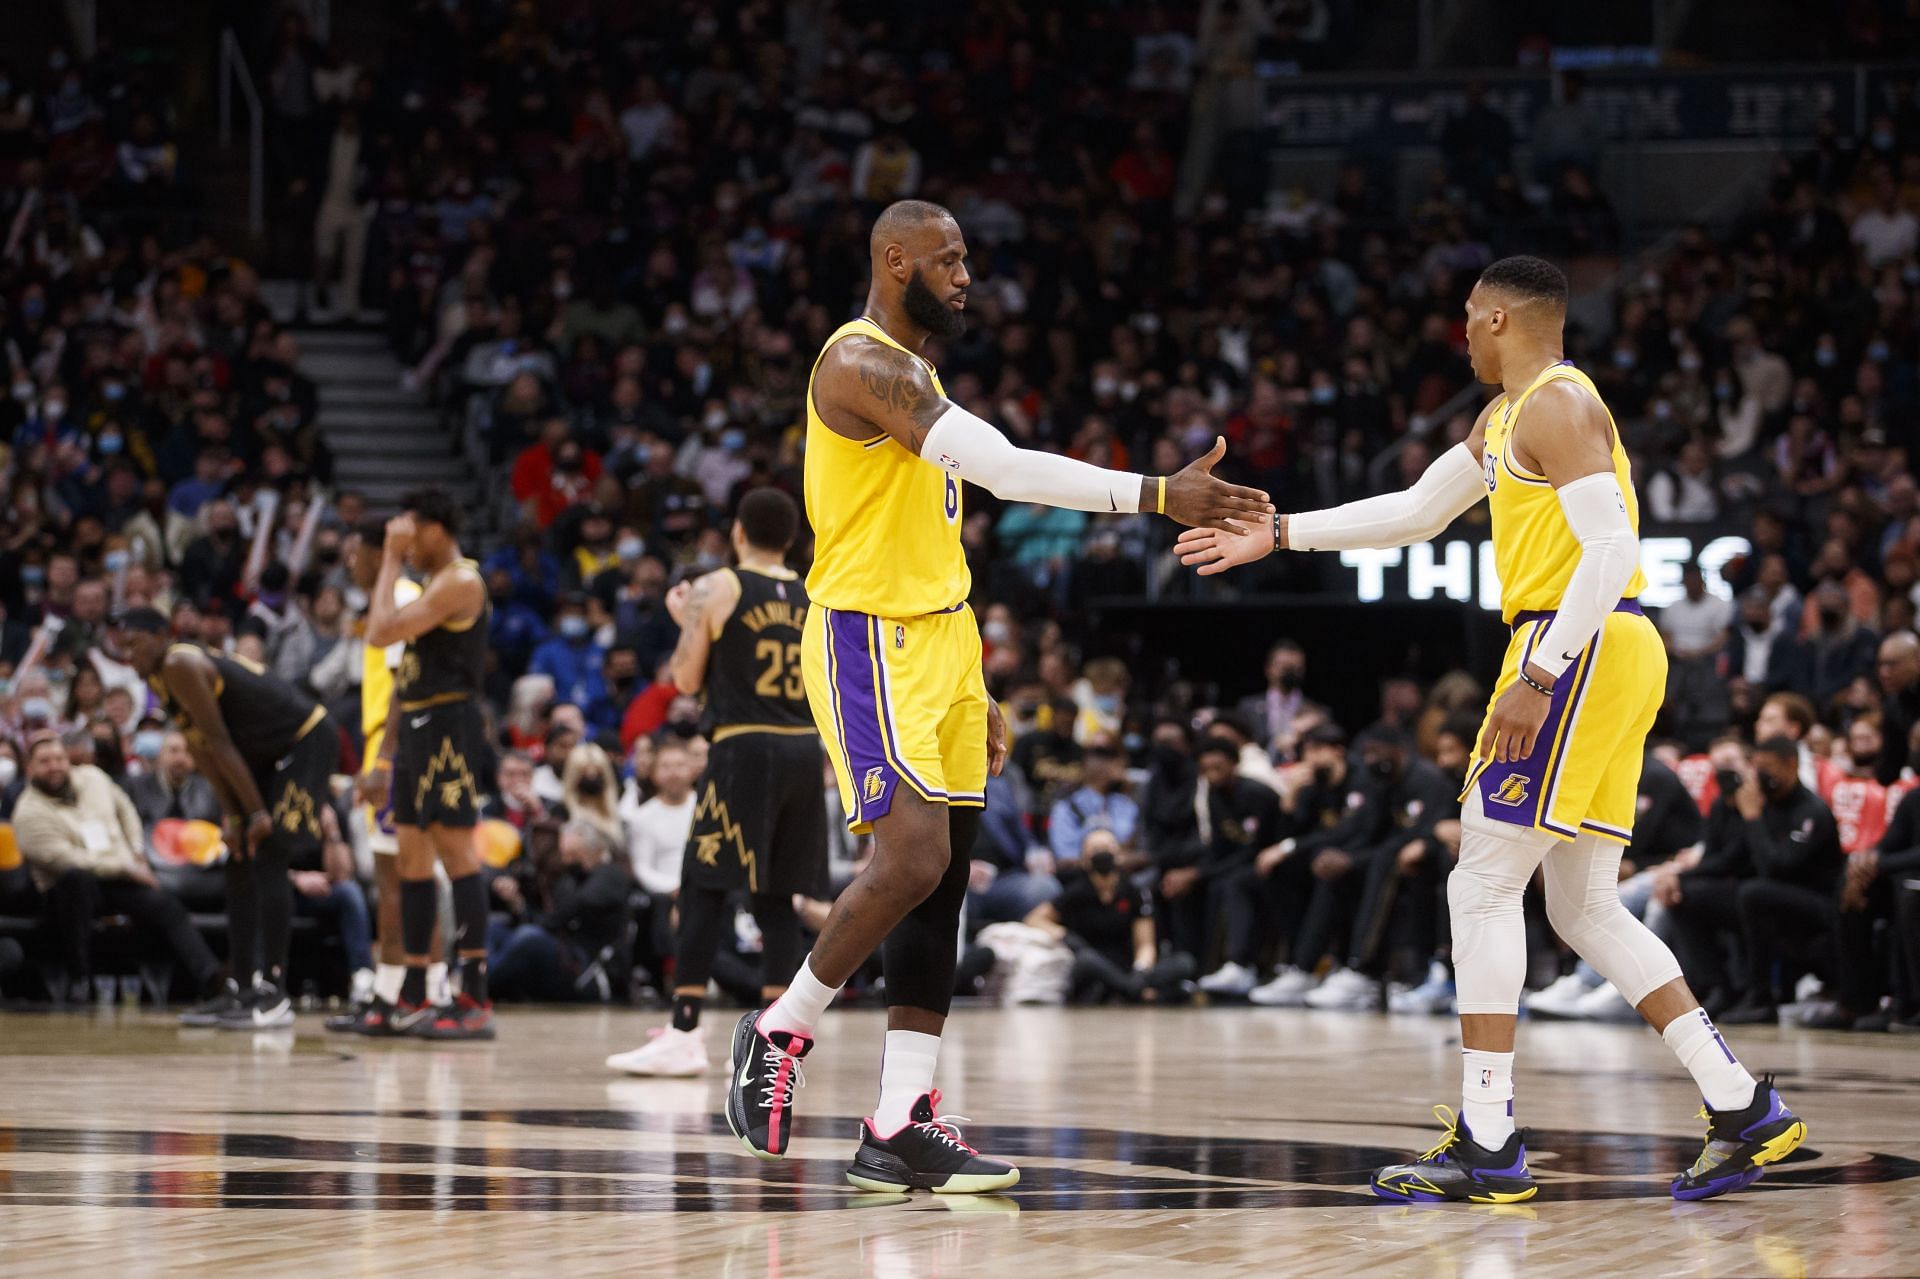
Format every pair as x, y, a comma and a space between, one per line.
1609, 553
975, 450
1442, 494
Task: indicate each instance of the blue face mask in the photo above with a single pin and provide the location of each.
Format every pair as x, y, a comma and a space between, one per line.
1878, 352
36, 710
114, 392
574, 627
147, 743
1825, 356
1624, 359
109, 445
116, 561
733, 440
1324, 394
33, 575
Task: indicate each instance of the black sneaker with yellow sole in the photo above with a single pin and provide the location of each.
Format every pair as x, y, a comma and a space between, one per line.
928, 1154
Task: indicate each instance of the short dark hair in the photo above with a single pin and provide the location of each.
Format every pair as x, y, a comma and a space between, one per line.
150, 620
1233, 723
1780, 746
437, 506
1216, 746
1528, 277
769, 519
372, 531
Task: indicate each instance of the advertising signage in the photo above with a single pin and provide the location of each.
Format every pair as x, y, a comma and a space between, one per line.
1463, 569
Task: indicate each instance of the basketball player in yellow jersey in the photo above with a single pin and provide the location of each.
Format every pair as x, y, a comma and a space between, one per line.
372, 1016
1557, 766
891, 660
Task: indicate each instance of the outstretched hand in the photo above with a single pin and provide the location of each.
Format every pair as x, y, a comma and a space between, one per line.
1195, 498
1217, 550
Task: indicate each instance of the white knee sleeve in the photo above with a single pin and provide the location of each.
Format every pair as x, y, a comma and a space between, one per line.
1583, 904
1483, 894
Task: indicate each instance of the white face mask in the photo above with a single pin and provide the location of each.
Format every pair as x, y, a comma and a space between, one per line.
8, 771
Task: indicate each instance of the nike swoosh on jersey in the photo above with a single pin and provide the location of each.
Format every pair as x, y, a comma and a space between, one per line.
421, 721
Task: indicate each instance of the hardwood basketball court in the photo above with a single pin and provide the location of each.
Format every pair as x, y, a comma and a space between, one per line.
1192, 1142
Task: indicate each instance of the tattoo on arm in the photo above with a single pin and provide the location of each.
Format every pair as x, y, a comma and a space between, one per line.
905, 396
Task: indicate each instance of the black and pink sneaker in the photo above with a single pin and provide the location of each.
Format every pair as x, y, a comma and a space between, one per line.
928, 1154
763, 1073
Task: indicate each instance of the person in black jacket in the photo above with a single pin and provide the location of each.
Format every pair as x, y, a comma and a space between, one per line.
1873, 886
1238, 818
1396, 864
588, 911
1770, 867
1898, 665
1269, 896
1167, 819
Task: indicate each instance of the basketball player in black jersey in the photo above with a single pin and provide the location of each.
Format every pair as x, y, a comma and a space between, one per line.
268, 751
760, 822
436, 728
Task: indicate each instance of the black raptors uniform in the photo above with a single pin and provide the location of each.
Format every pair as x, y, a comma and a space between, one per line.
284, 737
441, 731
761, 819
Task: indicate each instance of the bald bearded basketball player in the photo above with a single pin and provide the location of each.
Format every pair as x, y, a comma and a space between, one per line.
891, 660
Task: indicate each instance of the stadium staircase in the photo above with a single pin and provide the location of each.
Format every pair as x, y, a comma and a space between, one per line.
385, 440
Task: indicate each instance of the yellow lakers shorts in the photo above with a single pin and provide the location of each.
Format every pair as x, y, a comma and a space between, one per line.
1584, 773
898, 700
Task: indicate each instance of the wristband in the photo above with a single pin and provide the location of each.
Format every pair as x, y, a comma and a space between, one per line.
1160, 502
1276, 532
1534, 684
380, 764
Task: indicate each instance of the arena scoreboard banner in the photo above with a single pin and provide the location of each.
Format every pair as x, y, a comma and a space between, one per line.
1648, 105
1462, 568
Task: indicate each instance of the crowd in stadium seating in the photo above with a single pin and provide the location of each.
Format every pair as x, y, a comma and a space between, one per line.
610, 246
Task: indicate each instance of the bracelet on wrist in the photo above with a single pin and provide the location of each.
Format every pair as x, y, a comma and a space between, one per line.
1534, 684
1277, 544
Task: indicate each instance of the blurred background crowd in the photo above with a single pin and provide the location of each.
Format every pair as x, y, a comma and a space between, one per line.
603, 245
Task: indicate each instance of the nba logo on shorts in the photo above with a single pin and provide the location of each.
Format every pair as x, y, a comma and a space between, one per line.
874, 786
899, 637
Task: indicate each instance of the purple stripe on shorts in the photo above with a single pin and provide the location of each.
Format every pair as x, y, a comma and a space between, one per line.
851, 668
1513, 792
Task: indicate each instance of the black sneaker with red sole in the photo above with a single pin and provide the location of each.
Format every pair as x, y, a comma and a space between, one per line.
464, 1018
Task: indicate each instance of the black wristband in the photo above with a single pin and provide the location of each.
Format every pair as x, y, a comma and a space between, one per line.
1276, 532
1534, 684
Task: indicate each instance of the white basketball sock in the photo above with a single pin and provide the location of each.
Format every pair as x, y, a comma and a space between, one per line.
387, 979
1486, 1096
438, 991
804, 1004
906, 1075
1724, 1082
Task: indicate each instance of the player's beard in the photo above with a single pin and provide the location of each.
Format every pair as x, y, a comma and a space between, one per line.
930, 313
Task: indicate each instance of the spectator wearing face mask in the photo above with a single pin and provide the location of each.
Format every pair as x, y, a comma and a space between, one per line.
591, 794
571, 658
1108, 924
1271, 712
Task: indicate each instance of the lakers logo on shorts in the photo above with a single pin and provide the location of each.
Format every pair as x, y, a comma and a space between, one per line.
875, 785
1511, 792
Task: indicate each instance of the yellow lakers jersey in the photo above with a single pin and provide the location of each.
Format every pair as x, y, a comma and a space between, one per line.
886, 525
376, 680
1534, 551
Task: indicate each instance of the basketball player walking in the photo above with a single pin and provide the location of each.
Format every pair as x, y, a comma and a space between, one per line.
1557, 765
761, 820
892, 667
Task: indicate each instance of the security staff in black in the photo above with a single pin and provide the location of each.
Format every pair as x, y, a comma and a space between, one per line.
760, 816
268, 750
435, 733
